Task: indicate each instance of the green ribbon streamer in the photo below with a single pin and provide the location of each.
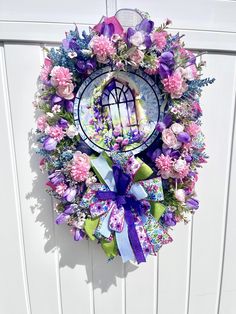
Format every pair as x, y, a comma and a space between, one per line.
110, 248
144, 171
89, 226
157, 209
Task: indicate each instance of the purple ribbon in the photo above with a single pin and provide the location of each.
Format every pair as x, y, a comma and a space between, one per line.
130, 204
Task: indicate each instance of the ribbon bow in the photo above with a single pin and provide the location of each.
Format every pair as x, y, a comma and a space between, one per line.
128, 202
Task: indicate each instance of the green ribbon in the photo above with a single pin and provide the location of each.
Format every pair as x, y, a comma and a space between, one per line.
89, 226
110, 248
157, 209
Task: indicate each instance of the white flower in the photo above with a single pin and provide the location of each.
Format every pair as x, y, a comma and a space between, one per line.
177, 128
180, 195
71, 131
56, 108
50, 114
137, 39
179, 165
72, 54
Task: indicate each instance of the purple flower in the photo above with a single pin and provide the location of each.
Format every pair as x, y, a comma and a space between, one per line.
160, 126
70, 194
188, 158
154, 155
70, 209
62, 123
67, 104
61, 218
56, 177
169, 219
175, 154
49, 143
183, 137
167, 120
78, 234
167, 63
145, 25
192, 203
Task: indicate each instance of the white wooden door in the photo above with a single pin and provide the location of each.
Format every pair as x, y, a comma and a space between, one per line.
42, 271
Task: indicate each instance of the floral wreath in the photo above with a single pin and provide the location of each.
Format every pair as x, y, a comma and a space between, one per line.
123, 175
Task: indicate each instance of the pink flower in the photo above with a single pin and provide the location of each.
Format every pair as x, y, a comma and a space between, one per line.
177, 128
46, 69
180, 195
175, 84
56, 108
193, 129
102, 47
60, 76
181, 173
180, 165
159, 39
55, 132
136, 57
190, 72
164, 164
169, 138
42, 123
80, 167
66, 91
125, 142
137, 39
61, 188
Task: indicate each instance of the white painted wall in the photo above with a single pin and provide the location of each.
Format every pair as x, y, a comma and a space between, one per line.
42, 271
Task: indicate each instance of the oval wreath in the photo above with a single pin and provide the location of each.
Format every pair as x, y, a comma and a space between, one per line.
120, 134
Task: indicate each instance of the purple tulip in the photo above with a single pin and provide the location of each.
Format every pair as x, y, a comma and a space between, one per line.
61, 218
49, 144
183, 137
167, 63
192, 203
155, 154
169, 219
78, 234
70, 194
145, 25
70, 209
56, 177
69, 105
167, 120
188, 158
175, 154
62, 123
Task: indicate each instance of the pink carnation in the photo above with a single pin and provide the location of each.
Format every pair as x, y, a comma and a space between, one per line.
102, 47
193, 129
164, 164
80, 167
46, 69
159, 39
42, 123
55, 132
175, 84
60, 76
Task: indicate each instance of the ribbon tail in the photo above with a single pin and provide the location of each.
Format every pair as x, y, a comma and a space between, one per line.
123, 243
133, 237
104, 229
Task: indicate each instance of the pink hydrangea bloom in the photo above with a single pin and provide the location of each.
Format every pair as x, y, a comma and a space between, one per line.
42, 123
60, 76
175, 84
46, 69
55, 132
193, 128
80, 167
159, 39
102, 47
165, 165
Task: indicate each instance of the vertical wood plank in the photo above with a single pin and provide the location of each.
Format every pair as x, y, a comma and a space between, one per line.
208, 228
23, 61
13, 273
227, 293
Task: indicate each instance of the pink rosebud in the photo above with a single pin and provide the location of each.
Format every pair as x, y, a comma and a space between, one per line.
180, 195
66, 91
169, 138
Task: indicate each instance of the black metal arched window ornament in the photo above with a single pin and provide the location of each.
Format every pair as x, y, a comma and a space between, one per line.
124, 115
